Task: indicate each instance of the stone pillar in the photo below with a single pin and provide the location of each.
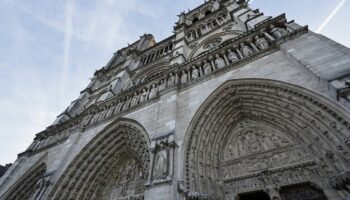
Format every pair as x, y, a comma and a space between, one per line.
225, 58
239, 54
254, 46
149, 179
200, 68
268, 36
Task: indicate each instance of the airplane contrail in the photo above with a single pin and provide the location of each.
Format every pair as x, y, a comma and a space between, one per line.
330, 17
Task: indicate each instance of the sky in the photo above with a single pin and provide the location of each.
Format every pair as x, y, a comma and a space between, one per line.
49, 49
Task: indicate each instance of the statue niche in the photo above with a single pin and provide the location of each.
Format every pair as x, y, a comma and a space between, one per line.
161, 165
162, 160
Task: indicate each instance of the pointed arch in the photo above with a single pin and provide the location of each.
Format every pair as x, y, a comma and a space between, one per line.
288, 135
29, 185
113, 165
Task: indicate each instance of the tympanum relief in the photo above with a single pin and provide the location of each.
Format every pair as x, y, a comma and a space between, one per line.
126, 181
254, 147
257, 155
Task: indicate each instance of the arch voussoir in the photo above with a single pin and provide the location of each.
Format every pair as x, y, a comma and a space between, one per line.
264, 115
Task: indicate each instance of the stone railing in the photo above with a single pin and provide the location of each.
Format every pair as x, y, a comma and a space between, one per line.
250, 46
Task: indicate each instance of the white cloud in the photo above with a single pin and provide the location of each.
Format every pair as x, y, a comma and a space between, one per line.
67, 44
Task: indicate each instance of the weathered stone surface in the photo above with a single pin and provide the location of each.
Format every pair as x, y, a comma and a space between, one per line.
234, 104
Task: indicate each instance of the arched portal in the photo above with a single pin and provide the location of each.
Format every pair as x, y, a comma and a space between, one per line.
114, 165
30, 186
260, 135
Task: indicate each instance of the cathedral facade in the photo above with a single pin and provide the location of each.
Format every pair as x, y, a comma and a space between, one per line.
235, 105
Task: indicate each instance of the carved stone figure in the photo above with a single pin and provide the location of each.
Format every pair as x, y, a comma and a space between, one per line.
161, 85
184, 77
207, 67
278, 32
232, 56
246, 51
219, 62
161, 165
135, 99
40, 188
144, 95
171, 80
261, 43
110, 111
195, 73
153, 92
126, 103
94, 117
85, 121
118, 107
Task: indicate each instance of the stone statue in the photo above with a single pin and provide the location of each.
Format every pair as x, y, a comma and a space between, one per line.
195, 73
182, 18
184, 77
160, 167
246, 51
126, 103
94, 118
144, 95
278, 32
261, 43
153, 92
171, 80
162, 85
219, 62
110, 111
118, 107
232, 56
85, 121
207, 67
135, 99
40, 187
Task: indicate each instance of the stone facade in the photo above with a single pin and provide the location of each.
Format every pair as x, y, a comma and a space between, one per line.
234, 105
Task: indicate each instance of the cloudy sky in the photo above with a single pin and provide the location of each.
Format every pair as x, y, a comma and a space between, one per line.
49, 49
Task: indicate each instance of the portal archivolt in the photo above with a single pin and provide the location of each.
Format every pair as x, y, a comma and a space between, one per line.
114, 165
263, 135
31, 186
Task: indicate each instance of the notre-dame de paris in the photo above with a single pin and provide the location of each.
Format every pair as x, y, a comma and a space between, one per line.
235, 105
